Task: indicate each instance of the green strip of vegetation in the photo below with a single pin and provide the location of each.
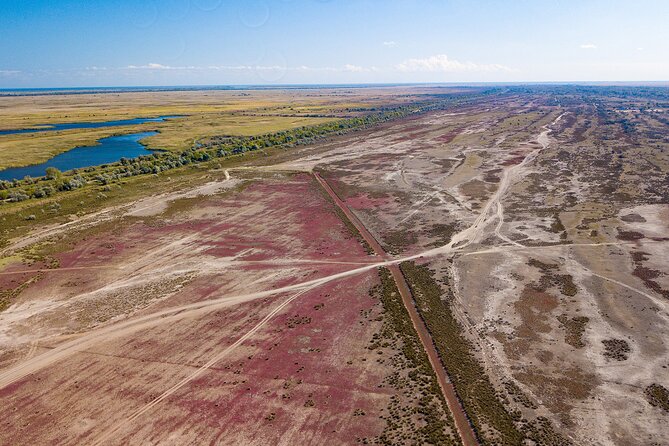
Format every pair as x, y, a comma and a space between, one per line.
413, 377
492, 422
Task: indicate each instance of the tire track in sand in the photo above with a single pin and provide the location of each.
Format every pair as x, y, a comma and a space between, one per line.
458, 242
167, 393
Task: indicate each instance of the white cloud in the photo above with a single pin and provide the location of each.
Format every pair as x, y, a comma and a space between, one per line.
640, 48
354, 68
9, 72
158, 66
304, 68
390, 43
441, 63
589, 46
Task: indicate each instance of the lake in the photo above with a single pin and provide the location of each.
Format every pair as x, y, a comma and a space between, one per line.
109, 150
88, 125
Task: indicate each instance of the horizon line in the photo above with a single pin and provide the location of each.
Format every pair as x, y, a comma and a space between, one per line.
343, 84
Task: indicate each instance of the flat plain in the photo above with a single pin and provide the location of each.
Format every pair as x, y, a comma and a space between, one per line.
239, 301
203, 114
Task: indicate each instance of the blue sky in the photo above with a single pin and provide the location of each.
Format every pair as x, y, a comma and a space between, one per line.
57, 43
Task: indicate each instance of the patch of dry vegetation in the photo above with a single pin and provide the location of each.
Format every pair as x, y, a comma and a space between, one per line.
647, 275
616, 349
442, 233
549, 278
658, 396
396, 241
574, 328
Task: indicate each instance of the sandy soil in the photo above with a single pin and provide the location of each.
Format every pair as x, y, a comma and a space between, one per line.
243, 315
209, 291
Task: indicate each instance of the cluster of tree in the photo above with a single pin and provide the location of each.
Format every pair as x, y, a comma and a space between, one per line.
54, 181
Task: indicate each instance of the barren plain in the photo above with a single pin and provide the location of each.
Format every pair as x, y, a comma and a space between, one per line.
495, 255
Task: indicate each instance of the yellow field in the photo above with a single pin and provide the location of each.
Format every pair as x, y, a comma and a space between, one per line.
208, 113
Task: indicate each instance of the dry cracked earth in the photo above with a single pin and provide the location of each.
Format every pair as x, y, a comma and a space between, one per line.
250, 312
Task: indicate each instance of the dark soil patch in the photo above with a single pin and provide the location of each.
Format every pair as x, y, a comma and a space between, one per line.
491, 176
533, 307
564, 282
450, 136
557, 225
445, 164
647, 275
513, 160
476, 189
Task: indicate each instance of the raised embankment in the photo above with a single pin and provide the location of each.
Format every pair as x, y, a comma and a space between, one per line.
462, 424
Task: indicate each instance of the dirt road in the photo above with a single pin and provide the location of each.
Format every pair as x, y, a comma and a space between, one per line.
458, 243
462, 424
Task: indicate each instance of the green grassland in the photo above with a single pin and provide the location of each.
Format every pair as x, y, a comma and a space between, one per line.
206, 114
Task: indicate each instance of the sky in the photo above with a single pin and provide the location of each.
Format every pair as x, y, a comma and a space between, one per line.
88, 43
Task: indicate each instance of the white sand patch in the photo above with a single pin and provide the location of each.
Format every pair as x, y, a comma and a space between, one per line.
157, 204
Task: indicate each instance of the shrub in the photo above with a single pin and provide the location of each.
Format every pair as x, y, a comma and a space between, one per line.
658, 396
17, 195
52, 173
